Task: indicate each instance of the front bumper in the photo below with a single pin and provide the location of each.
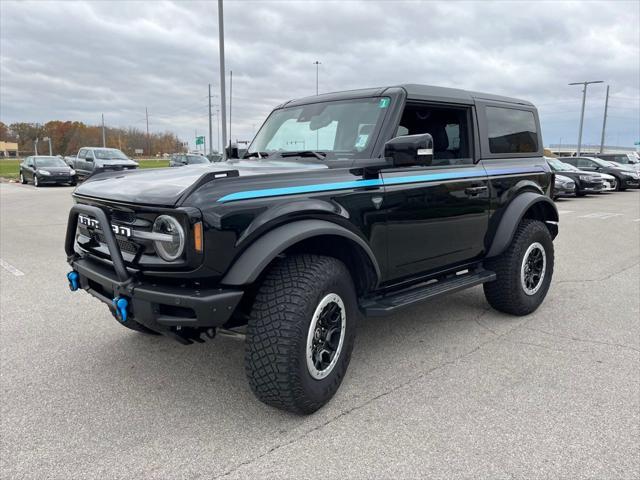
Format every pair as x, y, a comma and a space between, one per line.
55, 179
627, 182
592, 187
165, 308
563, 190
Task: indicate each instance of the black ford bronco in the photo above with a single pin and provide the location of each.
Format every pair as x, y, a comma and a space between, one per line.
345, 205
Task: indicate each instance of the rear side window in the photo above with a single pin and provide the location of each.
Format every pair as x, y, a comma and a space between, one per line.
511, 130
82, 153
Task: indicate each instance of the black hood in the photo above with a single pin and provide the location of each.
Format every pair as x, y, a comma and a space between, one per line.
166, 186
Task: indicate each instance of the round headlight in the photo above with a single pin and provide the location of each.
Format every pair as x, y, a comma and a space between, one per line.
173, 246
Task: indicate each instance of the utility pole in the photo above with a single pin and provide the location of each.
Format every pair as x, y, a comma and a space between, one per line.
35, 146
104, 138
48, 139
223, 95
210, 129
317, 64
604, 120
584, 97
218, 128
230, 103
146, 112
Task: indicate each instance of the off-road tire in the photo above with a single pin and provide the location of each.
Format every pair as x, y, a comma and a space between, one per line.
276, 341
506, 293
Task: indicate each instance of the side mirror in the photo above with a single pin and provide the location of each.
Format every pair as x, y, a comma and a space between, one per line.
410, 150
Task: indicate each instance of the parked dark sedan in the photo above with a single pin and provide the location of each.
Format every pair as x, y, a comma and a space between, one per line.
41, 170
586, 182
626, 177
563, 186
182, 159
626, 159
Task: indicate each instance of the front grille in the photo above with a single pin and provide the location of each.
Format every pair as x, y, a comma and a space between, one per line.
125, 245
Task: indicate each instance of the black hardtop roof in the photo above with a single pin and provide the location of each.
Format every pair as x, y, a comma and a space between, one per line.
414, 92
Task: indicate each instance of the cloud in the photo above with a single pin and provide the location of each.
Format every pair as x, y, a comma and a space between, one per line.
76, 60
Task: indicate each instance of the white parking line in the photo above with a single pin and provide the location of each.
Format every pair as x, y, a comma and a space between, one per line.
562, 212
636, 220
601, 215
10, 268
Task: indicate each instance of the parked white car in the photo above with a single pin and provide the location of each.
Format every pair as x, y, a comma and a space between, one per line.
609, 181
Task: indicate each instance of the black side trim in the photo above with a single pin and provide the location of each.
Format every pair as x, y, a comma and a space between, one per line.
391, 303
514, 214
253, 261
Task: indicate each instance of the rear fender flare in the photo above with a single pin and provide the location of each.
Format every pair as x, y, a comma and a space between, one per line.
247, 268
515, 212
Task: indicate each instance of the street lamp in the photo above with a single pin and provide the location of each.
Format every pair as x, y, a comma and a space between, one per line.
317, 64
584, 97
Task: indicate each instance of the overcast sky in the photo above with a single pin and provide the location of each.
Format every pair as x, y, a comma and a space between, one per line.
76, 60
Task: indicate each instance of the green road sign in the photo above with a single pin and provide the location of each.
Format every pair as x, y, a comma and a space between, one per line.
200, 140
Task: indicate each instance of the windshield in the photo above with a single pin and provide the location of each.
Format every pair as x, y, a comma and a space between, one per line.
604, 163
192, 159
339, 129
623, 159
109, 154
559, 166
49, 162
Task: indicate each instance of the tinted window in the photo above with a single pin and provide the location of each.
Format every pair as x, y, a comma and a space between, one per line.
511, 130
583, 162
449, 128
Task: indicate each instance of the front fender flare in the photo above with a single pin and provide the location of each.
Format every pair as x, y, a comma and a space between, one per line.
514, 213
254, 259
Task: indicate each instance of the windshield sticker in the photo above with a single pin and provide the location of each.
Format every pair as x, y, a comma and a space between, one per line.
384, 102
361, 142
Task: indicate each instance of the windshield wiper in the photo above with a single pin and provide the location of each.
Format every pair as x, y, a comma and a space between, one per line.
305, 153
256, 154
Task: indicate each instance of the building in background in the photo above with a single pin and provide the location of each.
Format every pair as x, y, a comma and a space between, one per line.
8, 149
568, 150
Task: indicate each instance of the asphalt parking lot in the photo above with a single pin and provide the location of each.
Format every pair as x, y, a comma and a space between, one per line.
450, 389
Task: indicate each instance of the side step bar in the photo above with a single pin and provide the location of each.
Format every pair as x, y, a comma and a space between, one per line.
393, 302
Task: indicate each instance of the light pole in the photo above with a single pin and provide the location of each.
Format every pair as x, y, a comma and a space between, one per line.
104, 138
317, 64
584, 97
223, 95
604, 120
210, 128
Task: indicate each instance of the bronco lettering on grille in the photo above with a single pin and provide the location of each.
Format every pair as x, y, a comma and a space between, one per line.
93, 223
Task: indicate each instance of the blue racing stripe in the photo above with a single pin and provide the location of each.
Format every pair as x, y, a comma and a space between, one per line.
327, 187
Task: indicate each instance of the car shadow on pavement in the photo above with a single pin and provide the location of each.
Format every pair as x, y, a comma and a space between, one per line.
427, 334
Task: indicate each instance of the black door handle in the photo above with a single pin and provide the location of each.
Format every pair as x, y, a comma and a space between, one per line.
473, 191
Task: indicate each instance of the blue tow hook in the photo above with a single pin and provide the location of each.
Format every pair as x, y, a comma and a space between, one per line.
121, 305
73, 280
